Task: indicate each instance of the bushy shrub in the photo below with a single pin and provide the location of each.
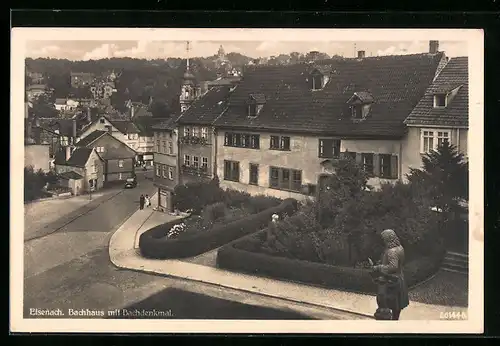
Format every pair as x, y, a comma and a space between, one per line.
235, 198
197, 195
34, 182
258, 203
214, 212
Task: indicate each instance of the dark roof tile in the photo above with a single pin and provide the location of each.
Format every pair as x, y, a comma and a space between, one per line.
78, 158
168, 124
70, 175
91, 137
207, 108
396, 82
455, 74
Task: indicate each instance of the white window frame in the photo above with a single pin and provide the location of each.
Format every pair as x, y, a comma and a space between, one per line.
120, 163
187, 131
204, 163
187, 160
196, 162
164, 169
157, 169
195, 130
170, 173
94, 168
434, 99
204, 132
426, 133
171, 147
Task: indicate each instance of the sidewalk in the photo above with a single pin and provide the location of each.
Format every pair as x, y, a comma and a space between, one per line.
45, 217
123, 253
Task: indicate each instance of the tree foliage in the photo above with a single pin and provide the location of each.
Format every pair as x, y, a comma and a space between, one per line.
444, 176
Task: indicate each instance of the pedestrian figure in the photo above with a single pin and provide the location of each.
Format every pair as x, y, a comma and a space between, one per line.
393, 292
141, 202
148, 201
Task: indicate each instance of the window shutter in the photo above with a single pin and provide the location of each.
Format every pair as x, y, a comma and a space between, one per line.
359, 159
376, 165
394, 167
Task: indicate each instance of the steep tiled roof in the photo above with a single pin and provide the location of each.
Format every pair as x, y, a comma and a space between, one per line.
168, 124
70, 175
396, 82
207, 108
90, 138
122, 151
145, 124
124, 126
455, 74
78, 158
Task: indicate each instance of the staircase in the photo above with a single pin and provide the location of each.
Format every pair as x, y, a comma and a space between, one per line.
456, 262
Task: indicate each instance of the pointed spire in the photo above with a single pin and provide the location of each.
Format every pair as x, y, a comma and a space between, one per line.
187, 55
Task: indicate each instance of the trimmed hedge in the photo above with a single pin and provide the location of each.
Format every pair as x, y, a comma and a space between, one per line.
154, 244
235, 257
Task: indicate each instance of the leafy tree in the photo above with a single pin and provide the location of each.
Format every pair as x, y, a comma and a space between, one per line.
34, 181
444, 176
43, 108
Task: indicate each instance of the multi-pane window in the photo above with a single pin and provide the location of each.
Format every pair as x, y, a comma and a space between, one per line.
356, 112
367, 159
158, 146
204, 164
252, 110
204, 132
157, 169
317, 81
99, 149
170, 147
286, 179
187, 131
196, 131
164, 170
164, 147
442, 136
280, 143
187, 160
241, 140
196, 161
432, 139
385, 166
120, 163
171, 173
231, 170
329, 148
254, 174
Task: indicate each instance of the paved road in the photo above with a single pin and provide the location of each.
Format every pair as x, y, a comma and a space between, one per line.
85, 234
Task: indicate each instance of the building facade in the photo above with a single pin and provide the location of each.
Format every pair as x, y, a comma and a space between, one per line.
81, 169
81, 79
441, 115
166, 172
119, 158
198, 137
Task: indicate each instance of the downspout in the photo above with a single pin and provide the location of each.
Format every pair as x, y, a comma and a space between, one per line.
458, 140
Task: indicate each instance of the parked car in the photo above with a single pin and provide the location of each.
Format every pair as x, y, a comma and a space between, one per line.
130, 183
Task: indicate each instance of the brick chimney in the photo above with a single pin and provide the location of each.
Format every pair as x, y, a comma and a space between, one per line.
89, 115
433, 47
361, 54
132, 111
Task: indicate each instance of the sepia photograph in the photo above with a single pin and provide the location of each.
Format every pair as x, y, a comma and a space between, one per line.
247, 180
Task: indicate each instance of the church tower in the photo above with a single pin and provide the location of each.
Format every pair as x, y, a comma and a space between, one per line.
189, 88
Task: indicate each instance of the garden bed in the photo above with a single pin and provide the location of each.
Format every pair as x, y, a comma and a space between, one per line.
217, 225
244, 256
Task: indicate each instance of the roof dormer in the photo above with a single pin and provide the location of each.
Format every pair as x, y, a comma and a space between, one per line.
443, 95
255, 103
360, 105
319, 77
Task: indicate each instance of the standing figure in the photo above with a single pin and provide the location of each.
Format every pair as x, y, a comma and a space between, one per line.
393, 292
141, 202
148, 201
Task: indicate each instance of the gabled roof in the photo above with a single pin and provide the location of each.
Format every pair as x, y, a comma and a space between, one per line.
124, 126
207, 108
362, 96
78, 158
70, 175
454, 75
90, 138
122, 151
60, 101
396, 82
168, 124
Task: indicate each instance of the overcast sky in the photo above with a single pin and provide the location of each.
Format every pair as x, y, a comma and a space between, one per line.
86, 50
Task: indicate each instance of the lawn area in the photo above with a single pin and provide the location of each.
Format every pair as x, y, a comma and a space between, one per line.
187, 305
446, 288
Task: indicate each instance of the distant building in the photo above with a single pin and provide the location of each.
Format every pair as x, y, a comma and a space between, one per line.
34, 91
81, 79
